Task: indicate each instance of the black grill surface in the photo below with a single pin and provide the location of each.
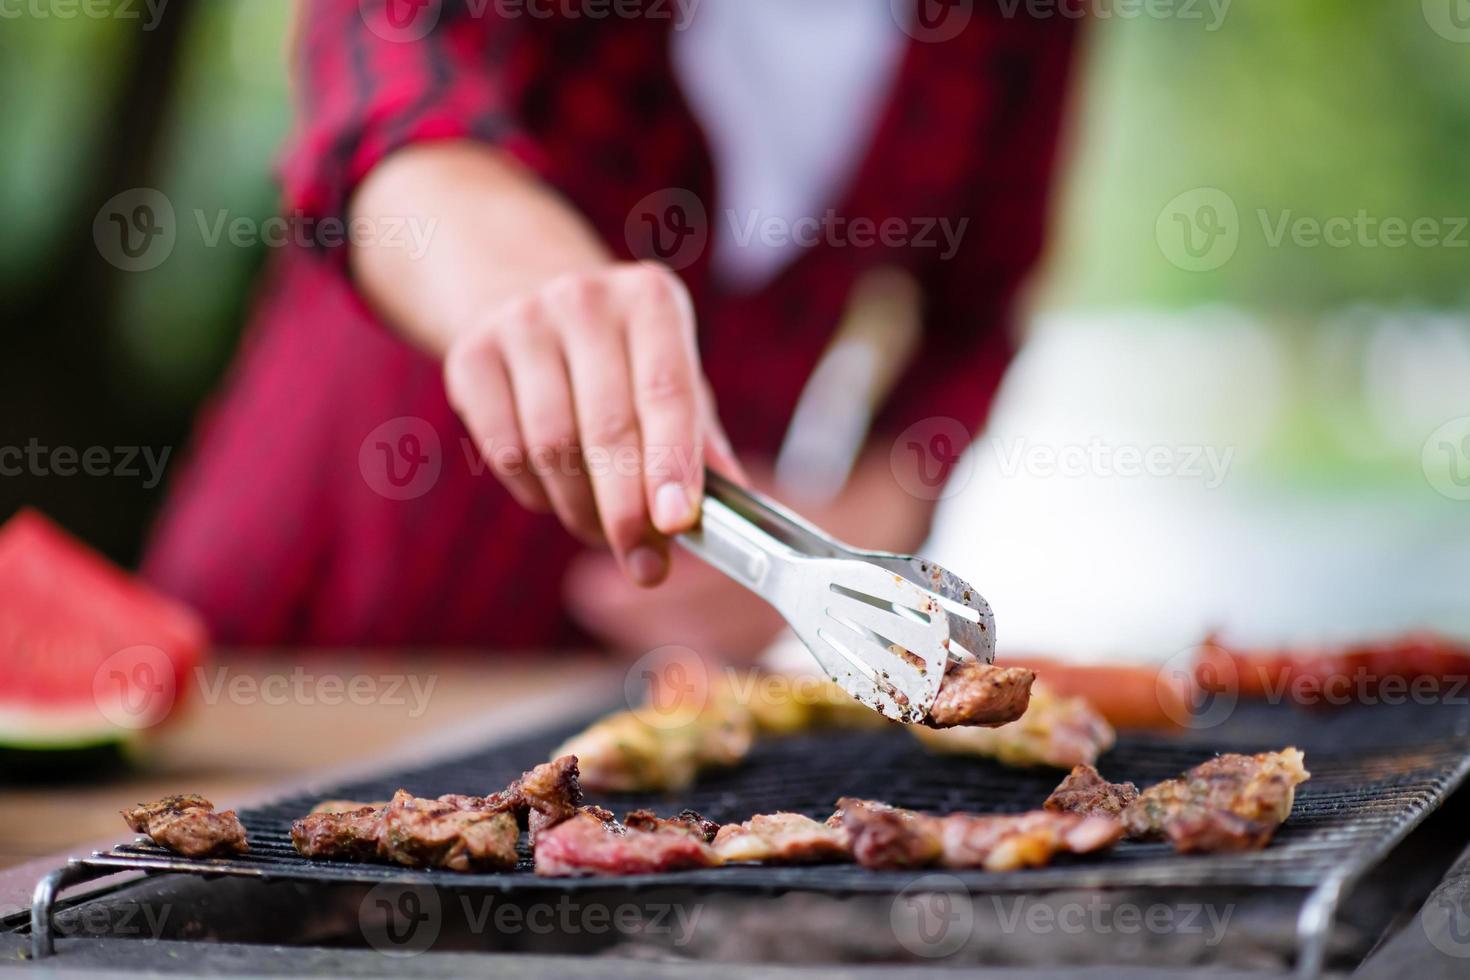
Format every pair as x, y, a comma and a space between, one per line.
1370, 786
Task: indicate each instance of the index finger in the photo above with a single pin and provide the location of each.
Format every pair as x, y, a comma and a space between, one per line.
665, 374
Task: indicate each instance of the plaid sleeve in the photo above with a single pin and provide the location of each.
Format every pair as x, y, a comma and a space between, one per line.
970, 297
376, 75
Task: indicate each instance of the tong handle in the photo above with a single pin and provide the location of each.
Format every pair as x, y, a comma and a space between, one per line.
730, 539
767, 515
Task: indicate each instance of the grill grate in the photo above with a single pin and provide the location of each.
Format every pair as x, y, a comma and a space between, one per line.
1355, 808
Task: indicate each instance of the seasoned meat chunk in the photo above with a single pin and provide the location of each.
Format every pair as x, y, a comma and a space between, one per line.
883, 836
976, 693
589, 845
1084, 791
625, 753
1230, 803
686, 821
189, 825
1053, 731
1025, 840
421, 833
889, 837
344, 835
782, 838
551, 793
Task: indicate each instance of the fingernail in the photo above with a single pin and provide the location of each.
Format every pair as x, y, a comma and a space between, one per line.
645, 565
672, 508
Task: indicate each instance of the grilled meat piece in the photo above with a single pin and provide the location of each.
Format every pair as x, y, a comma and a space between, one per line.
540, 797
1230, 803
588, 845
1026, 840
551, 793
1054, 731
341, 835
458, 832
782, 838
189, 825
976, 693
625, 753
422, 833
883, 836
507, 800
1084, 791
888, 837
686, 821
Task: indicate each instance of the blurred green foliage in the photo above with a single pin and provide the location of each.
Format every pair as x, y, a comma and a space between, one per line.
1319, 108
174, 326
231, 113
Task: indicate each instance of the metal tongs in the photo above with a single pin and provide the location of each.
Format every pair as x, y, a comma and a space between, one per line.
883, 626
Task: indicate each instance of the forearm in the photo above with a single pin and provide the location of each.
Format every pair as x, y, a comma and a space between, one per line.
495, 232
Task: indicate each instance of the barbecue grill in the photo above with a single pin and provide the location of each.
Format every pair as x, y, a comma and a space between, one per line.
1376, 774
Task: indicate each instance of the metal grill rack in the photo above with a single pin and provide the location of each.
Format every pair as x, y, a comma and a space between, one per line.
1358, 805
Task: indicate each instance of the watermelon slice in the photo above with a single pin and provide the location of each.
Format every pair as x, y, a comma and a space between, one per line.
89, 656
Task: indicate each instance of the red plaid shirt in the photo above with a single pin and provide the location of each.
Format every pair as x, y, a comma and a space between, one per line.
332, 496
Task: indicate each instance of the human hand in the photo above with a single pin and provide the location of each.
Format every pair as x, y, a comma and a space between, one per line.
586, 398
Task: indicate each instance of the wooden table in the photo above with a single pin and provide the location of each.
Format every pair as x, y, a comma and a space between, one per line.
257, 723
